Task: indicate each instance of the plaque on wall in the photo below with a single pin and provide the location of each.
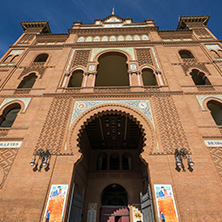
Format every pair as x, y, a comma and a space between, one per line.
91, 217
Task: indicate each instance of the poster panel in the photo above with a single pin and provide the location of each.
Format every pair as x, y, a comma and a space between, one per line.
56, 203
165, 203
137, 215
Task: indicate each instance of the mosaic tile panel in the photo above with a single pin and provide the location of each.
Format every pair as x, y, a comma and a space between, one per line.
141, 105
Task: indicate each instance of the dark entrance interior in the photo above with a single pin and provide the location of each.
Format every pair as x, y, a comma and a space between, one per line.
114, 202
110, 176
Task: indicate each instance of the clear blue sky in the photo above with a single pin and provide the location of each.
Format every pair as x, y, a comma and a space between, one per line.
62, 13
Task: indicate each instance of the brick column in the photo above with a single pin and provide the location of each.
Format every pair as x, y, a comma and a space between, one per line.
130, 77
65, 79
94, 79
86, 74
158, 73
138, 77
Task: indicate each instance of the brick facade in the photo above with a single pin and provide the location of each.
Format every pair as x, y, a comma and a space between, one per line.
170, 115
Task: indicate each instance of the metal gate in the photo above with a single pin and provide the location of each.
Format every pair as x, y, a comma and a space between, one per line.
75, 209
147, 206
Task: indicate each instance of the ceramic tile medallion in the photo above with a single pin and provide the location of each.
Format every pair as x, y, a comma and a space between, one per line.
142, 105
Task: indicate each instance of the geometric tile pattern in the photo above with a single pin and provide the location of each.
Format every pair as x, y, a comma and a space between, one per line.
144, 56
7, 157
53, 131
171, 130
81, 58
216, 154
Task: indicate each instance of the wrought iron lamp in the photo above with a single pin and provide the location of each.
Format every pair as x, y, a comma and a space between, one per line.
44, 157
180, 155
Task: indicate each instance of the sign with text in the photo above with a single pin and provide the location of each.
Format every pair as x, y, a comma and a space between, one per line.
213, 143
165, 203
10, 144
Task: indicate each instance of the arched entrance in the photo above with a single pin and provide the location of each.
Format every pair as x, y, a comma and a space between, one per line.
111, 175
114, 203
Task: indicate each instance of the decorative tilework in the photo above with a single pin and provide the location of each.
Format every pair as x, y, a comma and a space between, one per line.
16, 52
201, 98
26, 101
141, 105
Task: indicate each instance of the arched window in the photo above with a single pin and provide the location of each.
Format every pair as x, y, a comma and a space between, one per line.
76, 79
126, 161
215, 108
41, 58
114, 161
185, 54
215, 53
14, 59
9, 115
112, 70
149, 78
7, 59
102, 162
28, 81
199, 78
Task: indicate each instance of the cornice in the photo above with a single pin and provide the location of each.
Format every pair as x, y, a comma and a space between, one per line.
112, 95
126, 29
110, 44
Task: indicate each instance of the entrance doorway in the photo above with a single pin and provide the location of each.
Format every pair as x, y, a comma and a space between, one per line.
114, 203
111, 174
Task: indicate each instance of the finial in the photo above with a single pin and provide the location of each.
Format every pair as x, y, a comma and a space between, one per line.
113, 11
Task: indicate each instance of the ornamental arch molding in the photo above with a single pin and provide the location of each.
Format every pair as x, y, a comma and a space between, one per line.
23, 102
203, 99
78, 126
128, 52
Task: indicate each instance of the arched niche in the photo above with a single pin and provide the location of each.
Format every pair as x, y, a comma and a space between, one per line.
185, 54
76, 79
215, 108
28, 81
9, 115
114, 195
199, 78
112, 70
149, 78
